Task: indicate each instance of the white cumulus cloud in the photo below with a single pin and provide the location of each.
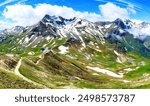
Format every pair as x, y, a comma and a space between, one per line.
27, 15
111, 11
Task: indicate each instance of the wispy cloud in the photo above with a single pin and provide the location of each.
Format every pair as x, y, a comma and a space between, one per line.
126, 3
22, 1
7, 2
130, 4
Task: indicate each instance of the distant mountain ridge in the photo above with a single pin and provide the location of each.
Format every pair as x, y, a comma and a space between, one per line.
59, 25
80, 30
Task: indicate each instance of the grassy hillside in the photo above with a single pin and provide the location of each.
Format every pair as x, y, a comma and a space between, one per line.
10, 81
54, 69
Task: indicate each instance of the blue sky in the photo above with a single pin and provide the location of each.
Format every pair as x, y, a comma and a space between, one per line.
28, 12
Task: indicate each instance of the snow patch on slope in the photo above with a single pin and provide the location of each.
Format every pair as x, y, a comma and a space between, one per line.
104, 71
63, 49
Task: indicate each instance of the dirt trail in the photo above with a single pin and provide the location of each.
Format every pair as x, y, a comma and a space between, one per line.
23, 77
41, 57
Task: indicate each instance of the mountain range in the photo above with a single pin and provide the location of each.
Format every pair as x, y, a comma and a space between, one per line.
76, 53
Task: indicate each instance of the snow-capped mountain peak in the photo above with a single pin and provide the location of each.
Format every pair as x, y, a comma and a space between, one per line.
56, 20
13, 31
